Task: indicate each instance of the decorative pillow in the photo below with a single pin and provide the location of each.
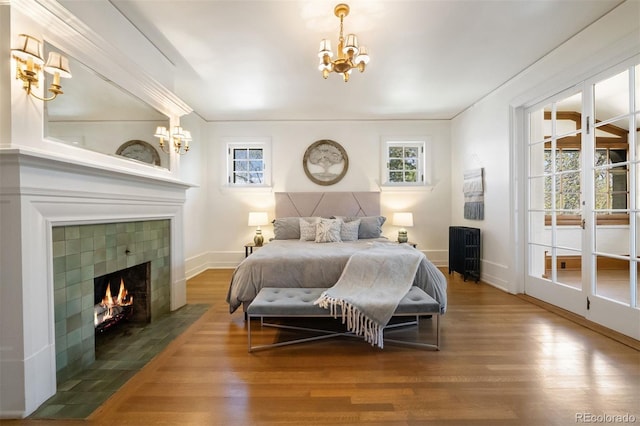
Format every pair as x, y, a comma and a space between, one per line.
308, 229
370, 226
349, 230
286, 228
328, 231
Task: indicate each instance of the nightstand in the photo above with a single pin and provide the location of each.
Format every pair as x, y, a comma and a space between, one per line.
414, 245
248, 248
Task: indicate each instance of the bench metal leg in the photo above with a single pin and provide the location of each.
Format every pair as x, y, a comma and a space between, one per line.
435, 346
326, 334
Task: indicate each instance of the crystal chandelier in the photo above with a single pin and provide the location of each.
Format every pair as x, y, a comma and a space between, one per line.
350, 56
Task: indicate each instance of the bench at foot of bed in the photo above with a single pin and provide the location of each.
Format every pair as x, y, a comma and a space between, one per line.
298, 303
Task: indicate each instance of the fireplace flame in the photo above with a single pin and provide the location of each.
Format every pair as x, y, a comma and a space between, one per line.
111, 306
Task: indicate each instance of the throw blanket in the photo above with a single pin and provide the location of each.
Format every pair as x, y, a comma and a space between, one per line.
370, 288
473, 188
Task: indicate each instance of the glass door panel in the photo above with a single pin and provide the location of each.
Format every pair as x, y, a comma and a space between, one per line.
611, 98
613, 278
611, 184
554, 216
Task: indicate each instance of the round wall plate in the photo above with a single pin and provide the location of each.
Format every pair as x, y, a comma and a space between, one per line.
325, 162
139, 150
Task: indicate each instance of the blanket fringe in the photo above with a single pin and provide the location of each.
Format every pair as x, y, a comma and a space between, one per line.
355, 320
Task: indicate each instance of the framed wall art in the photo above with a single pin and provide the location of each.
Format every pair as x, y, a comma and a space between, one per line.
325, 162
139, 150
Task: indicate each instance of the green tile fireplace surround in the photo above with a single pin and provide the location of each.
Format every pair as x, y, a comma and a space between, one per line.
83, 252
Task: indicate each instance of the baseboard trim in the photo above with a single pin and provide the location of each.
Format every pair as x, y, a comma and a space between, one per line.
607, 332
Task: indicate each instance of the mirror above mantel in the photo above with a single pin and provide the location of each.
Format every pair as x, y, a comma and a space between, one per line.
96, 114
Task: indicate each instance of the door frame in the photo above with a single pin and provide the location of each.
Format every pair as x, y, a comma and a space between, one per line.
627, 322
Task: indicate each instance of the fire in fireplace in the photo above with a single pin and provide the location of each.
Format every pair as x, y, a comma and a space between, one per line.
111, 310
122, 296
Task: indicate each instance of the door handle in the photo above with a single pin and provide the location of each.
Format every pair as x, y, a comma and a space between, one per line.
583, 223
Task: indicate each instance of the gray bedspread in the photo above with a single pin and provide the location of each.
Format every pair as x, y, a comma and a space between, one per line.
294, 264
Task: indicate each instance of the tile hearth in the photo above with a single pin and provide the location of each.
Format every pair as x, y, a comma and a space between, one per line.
118, 358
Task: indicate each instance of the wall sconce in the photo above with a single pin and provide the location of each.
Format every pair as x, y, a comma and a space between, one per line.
178, 136
258, 219
403, 219
29, 64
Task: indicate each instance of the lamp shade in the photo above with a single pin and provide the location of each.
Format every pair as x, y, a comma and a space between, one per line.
28, 47
351, 44
363, 55
403, 219
161, 132
258, 218
56, 63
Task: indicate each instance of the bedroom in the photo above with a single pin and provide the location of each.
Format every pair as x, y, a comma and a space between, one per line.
481, 136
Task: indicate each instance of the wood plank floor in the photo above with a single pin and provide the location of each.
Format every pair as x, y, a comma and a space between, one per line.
503, 361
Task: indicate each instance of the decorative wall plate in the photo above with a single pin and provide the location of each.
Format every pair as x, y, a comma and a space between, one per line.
139, 150
325, 162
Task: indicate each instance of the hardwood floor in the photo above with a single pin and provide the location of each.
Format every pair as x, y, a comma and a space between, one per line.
503, 361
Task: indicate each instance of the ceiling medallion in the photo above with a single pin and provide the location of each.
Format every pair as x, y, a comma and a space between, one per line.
350, 55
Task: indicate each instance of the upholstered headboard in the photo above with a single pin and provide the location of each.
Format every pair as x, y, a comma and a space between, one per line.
326, 204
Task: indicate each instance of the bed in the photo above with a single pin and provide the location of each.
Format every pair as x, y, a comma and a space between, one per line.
294, 259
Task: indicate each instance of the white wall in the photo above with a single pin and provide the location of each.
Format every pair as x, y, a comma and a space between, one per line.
194, 168
228, 209
5, 75
483, 135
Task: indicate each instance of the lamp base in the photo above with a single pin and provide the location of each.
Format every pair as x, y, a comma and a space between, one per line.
402, 237
258, 240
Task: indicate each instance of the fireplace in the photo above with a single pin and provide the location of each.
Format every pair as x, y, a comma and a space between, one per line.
122, 297
88, 260
69, 222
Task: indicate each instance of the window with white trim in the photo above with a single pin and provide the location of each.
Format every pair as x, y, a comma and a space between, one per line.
248, 164
405, 163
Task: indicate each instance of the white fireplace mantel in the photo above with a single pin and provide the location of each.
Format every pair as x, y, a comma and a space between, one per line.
38, 191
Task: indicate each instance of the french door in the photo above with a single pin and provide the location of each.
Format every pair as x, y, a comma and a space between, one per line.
583, 194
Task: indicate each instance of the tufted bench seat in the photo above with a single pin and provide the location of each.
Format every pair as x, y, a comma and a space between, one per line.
298, 302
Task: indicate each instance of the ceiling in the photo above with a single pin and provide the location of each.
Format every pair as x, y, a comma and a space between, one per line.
257, 60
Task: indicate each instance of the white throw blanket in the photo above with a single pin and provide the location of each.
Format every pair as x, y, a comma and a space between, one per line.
370, 288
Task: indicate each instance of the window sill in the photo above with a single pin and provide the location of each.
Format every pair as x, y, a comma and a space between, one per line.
406, 188
240, 188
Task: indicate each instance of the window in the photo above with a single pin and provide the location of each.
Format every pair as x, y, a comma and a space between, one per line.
247, 163
610, 179
405, 163
611, 182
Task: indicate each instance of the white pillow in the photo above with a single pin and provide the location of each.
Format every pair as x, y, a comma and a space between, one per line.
308, 230
328, 231
349, 230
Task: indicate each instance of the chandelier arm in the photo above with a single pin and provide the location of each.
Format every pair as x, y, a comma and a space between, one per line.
50, 98
163, 147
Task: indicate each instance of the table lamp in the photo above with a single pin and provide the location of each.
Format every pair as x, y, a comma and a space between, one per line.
404, 220
258, 219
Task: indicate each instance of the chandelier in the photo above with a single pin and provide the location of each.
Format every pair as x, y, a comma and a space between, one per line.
350, 56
